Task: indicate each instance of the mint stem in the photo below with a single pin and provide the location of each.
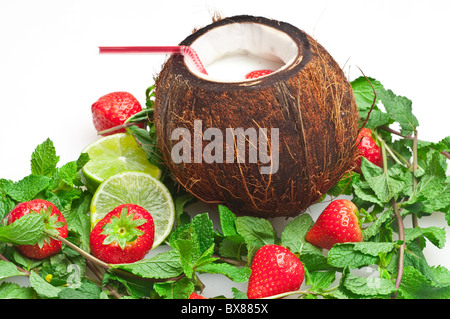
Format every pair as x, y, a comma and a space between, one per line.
388, 129
18, 268
401, 227
80, 251
116, 128
415, 166
401, 253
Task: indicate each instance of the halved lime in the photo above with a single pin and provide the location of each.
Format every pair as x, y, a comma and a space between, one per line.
136, 188
114, 154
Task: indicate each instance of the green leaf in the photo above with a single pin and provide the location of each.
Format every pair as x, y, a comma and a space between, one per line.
399, 108
6, 205
42, 287
232, 246
181, 201
293, 235
44, 159
320, 280
376, 226
432, 183
28, 188
27, 230
234, 273
162, 266
147, 141
86, 290
385, 185
369, 286
364, 96
180, 289
66, 175
203, 228
78, 220
345, 255
227, 221
10, 290
315, 262
257, 231
434, 234
373, 248
8, 269
415, 285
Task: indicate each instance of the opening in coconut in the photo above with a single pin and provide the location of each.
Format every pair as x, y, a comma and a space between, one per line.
231, 51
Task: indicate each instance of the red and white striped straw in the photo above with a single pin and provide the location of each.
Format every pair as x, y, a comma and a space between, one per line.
184, 50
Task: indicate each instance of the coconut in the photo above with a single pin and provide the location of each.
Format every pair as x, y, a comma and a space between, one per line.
269, 146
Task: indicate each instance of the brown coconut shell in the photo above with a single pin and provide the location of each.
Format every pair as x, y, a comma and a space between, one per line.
311, 102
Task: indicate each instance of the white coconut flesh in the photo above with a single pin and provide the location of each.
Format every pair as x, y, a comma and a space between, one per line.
230, 52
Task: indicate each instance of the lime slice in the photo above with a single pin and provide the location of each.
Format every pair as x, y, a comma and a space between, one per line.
136, 188
114, 154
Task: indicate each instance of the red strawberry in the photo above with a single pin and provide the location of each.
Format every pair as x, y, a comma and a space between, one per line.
257, 74
338, 223
54, 221
275, 270
369, 149
196, 296
114, 109
124, 235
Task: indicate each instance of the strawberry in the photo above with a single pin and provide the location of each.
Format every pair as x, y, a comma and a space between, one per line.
124, 235
196, 296
54, 221
114, 109
369, 149
274, 270
338, 223
257, 74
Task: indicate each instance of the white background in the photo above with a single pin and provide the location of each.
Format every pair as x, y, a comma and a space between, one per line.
51, 72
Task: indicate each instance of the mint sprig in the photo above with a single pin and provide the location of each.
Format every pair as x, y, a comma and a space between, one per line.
390, 263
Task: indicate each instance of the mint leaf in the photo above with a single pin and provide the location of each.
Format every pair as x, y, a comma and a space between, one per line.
44, 159
180, 289
8, 269
25, 231
415, 285
364, 96
369, 287
399, 108
163, 265
434, 234
10, 290
432, 183
320, 280
227, 221
257, 231
374, 249
293, 235
78, 220
234, 273
87, 290
203, 228
42, 287
385, 185
6, 205
345, 255
28, 188
376, 226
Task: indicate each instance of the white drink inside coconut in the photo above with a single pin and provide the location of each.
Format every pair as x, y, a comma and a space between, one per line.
231, 52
